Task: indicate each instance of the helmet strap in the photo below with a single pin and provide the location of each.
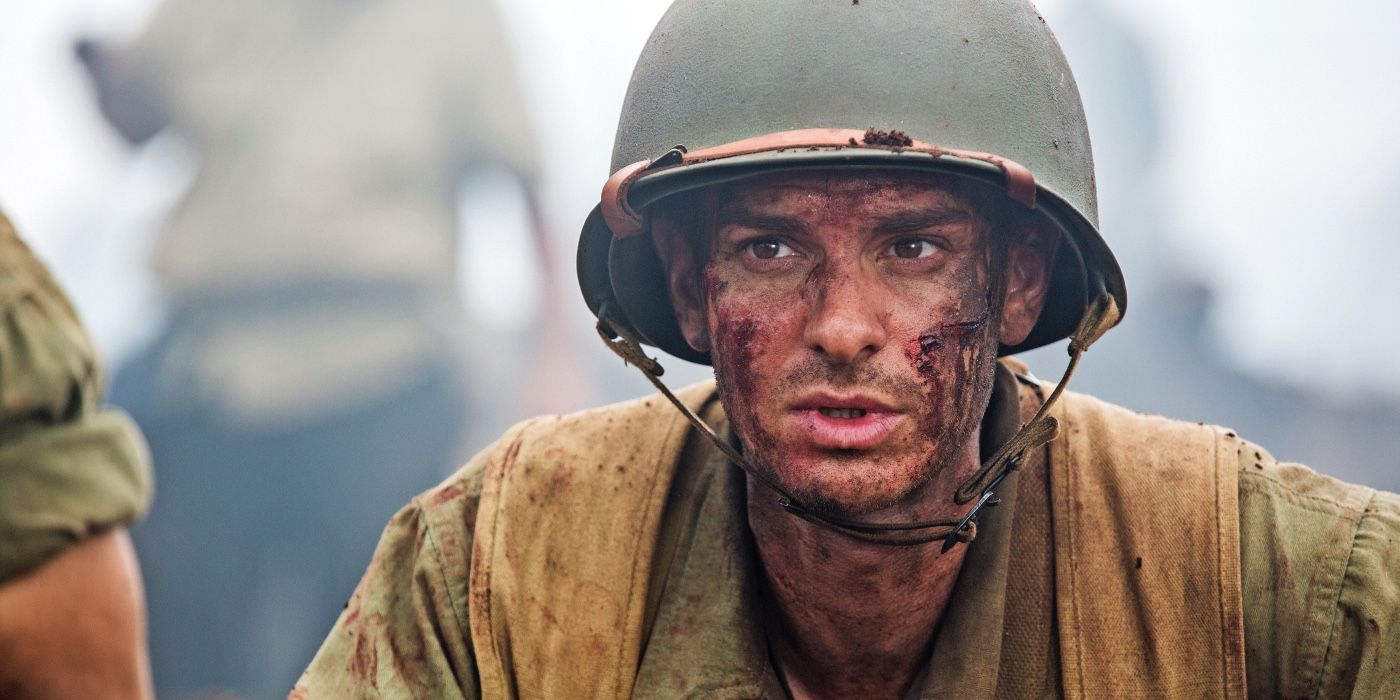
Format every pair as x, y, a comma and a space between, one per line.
1099, 315
1041, 429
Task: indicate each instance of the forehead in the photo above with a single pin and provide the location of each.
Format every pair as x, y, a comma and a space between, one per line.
850, 191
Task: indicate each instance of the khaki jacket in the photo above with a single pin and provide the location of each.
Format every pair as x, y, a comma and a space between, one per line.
1186, 563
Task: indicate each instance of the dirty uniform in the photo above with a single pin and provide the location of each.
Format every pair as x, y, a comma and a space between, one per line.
68, 467
1297, 579
310, 374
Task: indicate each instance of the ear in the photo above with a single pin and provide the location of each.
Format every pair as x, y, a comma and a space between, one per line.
1027, 271
682, 280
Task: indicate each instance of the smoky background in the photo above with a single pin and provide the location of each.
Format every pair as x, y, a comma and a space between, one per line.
1248, 163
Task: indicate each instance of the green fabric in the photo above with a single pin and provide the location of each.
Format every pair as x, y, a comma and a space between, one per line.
1320, 588
403, 633
61, 483
703, 642
67, 467
1321, 573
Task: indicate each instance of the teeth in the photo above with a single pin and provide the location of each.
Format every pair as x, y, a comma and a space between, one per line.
843, 412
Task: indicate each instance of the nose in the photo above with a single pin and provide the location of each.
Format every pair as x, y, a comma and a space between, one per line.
845, 323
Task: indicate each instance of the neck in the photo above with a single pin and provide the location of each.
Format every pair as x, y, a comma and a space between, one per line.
847, 618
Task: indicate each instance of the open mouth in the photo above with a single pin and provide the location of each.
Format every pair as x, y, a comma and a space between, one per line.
845, 422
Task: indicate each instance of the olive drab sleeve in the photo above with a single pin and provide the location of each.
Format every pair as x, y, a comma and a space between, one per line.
1320, 565
68, 468
1366, 662
404, 632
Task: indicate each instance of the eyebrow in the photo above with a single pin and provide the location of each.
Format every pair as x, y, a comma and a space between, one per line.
749, 218
899, 222
919, 219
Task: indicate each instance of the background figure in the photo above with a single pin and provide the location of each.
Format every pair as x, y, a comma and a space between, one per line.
308, 381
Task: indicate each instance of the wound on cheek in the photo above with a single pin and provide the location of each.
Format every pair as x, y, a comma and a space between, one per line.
922, 349
736, 337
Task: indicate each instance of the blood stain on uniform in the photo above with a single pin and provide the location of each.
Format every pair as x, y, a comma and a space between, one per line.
446, 495
364, 663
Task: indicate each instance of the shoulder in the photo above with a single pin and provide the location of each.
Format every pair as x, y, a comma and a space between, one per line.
554, 493
1124, 445
567, 461
1126, 426
1106, 433
1319, 559
403, 631
1321, 579
623, 429
543, 469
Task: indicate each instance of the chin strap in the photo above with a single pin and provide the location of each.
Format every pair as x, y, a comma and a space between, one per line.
1039, 430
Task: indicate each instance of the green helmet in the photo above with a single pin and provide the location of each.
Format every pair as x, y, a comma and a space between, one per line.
727, 89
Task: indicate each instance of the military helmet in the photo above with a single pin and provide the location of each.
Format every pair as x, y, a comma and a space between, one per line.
729, 89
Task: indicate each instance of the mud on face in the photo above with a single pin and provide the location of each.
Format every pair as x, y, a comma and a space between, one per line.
850, 284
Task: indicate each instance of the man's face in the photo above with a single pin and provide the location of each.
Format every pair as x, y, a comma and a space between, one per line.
853, 325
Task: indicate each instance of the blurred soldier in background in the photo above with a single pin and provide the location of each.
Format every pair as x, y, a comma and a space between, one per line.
72, 477
308, 381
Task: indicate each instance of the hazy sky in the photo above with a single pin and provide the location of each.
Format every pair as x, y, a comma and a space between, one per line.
1281, 159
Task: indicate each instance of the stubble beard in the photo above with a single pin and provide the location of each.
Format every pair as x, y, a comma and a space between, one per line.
943, 440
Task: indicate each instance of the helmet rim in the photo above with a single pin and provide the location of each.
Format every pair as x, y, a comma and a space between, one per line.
622, 278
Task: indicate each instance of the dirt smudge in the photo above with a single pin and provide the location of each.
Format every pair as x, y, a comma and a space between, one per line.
892, 138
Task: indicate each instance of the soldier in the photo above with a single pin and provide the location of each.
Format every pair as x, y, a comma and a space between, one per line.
820, 522
72, 477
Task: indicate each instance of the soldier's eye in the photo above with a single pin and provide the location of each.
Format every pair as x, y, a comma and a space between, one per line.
910, 248
769, 249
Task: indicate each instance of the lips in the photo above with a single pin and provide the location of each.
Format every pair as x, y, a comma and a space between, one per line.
845, 422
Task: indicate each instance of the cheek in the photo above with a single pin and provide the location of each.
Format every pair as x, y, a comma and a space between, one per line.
749, 329
737, 345
715, 285
951, 362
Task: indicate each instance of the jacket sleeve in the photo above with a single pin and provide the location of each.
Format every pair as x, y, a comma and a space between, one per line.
1321, 575
1364, 654
402, 634
68, 467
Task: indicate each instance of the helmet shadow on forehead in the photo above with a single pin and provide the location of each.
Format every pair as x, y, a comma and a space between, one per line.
638, 265
696, 213
622, 277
